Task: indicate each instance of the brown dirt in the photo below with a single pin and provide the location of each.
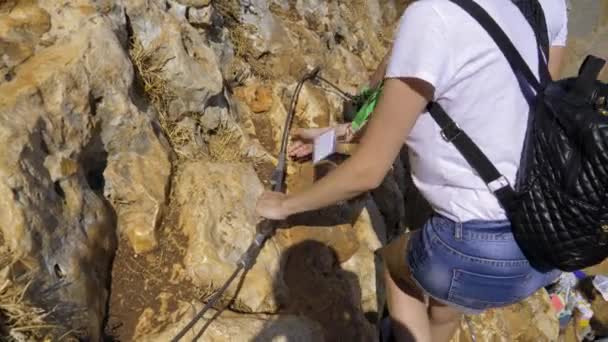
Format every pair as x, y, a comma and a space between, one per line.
138, 282
264, 133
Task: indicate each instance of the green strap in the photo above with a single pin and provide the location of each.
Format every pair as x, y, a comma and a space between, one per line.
369, 99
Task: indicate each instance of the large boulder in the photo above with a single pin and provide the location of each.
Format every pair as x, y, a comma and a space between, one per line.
56, 220
216, 204
66, 119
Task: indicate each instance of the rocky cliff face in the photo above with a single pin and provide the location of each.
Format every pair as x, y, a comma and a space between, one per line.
136, 136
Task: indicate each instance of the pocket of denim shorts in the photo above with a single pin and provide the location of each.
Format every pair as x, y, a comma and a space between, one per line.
481, 291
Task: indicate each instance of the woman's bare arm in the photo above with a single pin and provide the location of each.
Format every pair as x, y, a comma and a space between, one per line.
380, 72
400, 105
556, 57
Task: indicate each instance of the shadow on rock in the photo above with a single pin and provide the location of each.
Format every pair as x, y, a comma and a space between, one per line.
321, 291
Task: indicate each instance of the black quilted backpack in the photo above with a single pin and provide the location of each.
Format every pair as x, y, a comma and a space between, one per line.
559, 205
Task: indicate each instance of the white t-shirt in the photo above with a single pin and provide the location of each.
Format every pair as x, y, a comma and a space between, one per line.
441, 44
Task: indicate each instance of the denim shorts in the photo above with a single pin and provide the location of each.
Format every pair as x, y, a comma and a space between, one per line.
474, 265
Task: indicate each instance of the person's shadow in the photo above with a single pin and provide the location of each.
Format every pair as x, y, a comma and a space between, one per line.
318, 289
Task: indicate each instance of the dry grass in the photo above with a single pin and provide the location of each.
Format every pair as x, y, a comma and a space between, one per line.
238, 33
225, 145
150, 69
20, 320
243, 48
227, 142
229, 9
290, 13
156, 87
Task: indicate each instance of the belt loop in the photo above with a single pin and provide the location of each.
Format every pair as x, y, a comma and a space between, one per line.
458, 230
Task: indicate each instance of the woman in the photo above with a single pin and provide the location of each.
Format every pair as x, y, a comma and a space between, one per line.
464, 258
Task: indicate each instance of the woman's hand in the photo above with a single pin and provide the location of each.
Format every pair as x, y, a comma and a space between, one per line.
302, 145
302, 141
271, 206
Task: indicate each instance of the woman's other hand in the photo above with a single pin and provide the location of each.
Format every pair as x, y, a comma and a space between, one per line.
302, 141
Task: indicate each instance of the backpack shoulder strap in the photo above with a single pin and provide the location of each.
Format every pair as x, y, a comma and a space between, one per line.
452, 133
516, 61
587, 75
535, 15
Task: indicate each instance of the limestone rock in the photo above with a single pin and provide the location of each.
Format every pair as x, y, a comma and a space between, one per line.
319, 289
217, 202
185, 62
601, 268
234, 327
195, 3
22, 25
268, 35
364, 263
531, 320
329, 265
137, 180
55, 219
200, 16
313, 109
213, 117
257, 97
73, 133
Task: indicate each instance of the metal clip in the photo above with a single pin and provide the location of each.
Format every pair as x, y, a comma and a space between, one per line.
499, 183
451, 132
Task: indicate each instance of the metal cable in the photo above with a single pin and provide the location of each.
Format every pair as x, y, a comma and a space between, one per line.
278, 176
208, 306
219, 312
341, 92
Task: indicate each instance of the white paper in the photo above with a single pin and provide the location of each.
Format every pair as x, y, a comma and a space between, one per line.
324, 146
601, 284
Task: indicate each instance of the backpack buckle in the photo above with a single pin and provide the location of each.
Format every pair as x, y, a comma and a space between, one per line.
450, 132
499, 183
